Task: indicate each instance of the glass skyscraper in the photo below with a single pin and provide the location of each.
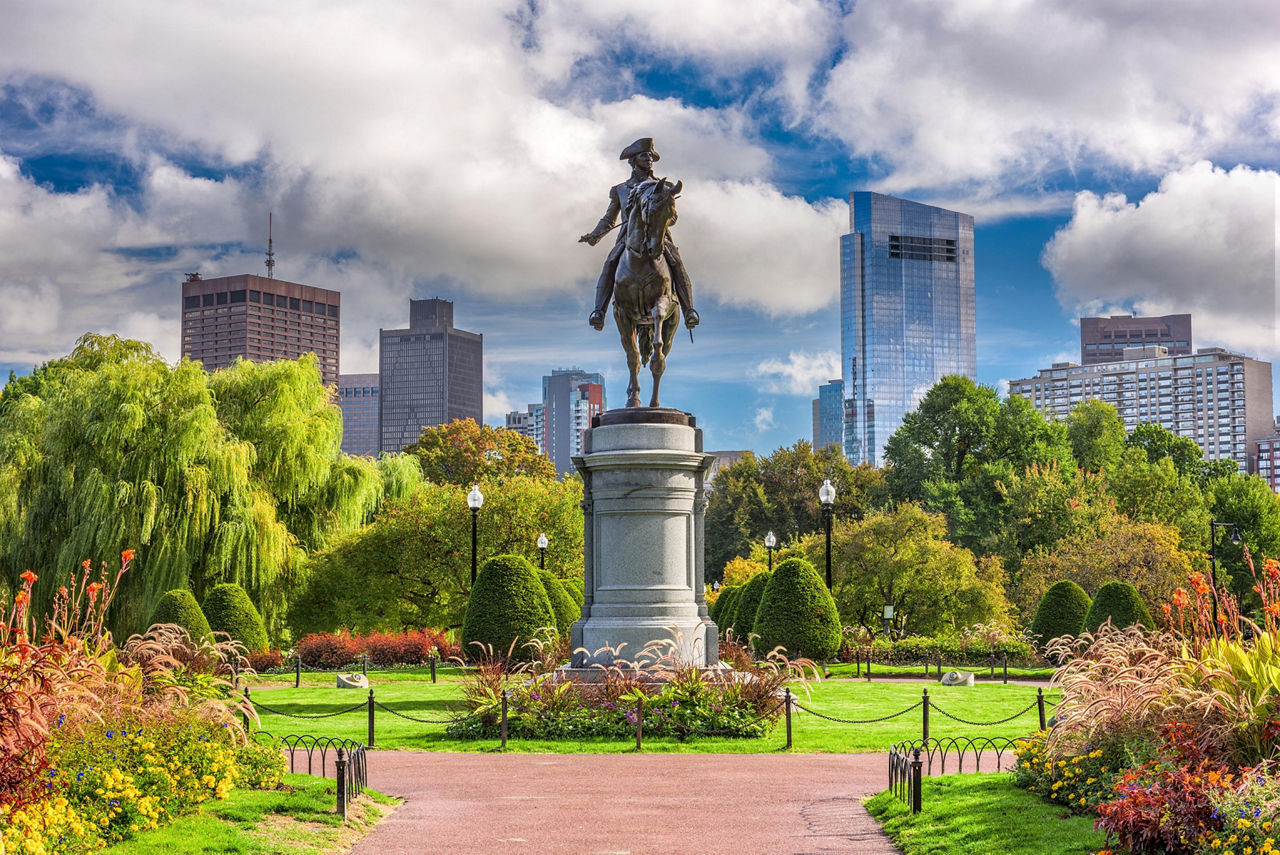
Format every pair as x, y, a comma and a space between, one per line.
906, 313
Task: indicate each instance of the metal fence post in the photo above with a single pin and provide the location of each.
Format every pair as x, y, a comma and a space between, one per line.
370, 742
364, 665
297, 671
1040, 706
1005, 657
248, 703
787, 701
433, 666
939, 666
915, 782
639, 722
924, 718
340, 768
504, 718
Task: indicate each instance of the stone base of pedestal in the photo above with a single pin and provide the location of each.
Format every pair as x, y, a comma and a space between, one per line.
643, 501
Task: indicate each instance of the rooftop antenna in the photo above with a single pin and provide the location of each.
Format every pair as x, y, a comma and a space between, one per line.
271, 253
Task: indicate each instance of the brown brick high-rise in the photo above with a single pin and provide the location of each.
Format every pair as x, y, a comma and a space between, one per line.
261, 320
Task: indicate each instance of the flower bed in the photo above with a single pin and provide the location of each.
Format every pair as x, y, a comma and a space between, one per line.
103, 742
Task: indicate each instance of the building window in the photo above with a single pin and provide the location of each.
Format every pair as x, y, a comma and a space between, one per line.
237, 296
191, 302
255, 296
333, 311
206, 300
222, 298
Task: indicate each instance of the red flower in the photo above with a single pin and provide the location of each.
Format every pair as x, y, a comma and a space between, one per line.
29, 577
93, 591
126, 556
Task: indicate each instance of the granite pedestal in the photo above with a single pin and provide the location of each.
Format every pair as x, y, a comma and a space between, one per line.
643, 473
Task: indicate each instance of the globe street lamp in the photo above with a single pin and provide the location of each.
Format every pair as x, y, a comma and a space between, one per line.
888, 618
542, 551
827, 495
474, 500
1213, 560
770, 543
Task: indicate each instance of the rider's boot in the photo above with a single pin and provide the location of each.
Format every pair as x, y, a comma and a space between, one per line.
604, 291
682, 286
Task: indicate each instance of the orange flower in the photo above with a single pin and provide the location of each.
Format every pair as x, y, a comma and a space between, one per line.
20, 600
1167, 609
1273, 568
85, 564
1180, 598
62, 592
1273, 609
28, 577
93, 591
126, 556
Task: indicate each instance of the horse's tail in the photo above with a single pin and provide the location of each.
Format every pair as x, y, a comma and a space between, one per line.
646, 344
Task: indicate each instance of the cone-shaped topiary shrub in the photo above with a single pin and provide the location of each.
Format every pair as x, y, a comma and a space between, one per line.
797, 613
179, 606
724, 607
1121, 602
508, 603
1061, 612
228, 609
562, 603
574, 588
744, 613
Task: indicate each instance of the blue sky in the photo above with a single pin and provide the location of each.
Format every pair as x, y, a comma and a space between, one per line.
1115, 159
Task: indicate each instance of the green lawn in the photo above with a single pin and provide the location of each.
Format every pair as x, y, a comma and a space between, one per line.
979, 814
983, 672
298, 819
836, 698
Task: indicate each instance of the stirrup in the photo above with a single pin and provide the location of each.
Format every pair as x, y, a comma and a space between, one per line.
691, 318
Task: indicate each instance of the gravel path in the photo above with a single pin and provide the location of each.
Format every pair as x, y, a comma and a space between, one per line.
627, 804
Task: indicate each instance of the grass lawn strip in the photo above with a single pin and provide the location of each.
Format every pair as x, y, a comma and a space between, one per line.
839, 699
974, 814
298, 819
982, 672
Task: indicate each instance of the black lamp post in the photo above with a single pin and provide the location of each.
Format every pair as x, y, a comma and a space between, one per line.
542, 551
474, 500
1213, 561
770, 543
827, 495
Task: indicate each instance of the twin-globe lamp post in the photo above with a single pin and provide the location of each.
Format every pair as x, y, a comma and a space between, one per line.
827, 495
1213, 561
474, 500
770, 544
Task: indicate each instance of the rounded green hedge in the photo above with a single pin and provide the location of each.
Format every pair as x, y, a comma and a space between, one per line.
574, 588
566, 610
228, 609
179, 606
744, 613
797, 613
1121, 602
508, 604
1061, 612
724, 607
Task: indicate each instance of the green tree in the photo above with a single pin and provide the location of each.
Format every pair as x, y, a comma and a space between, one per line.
902, 558
412, 566
180, 607
748, 604
228, 609
465, 453
1097, 435
1249, 502
1158, 493
1061, 611
1158, 441
562, 604
1120, 603
508, 608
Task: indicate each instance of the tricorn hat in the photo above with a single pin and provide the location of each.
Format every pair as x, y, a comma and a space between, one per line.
640, 145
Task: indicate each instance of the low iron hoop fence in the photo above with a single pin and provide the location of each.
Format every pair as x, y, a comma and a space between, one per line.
350, 763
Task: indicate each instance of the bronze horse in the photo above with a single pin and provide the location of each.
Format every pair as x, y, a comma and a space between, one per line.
644, 307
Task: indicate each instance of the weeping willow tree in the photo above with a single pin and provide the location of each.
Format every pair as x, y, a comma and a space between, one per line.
229, 478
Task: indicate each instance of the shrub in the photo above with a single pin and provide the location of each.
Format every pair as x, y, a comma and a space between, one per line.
266, 660
723, 607
1061, 612
507, 608
229, 609
797, 613
328, 650
1120, 602
574, 586
744, 613
179, 607
561, 603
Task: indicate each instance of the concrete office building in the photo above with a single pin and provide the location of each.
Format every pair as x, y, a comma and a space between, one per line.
828, 415
259, 319
1105, 339
571, 398
1221, 400
429, 374
358, 400
906, 313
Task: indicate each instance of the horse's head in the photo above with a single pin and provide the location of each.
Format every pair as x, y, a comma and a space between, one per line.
658, 212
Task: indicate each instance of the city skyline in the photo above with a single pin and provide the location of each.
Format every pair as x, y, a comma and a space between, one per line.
462, 150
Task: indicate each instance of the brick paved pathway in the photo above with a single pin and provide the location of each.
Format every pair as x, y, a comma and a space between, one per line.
627, 804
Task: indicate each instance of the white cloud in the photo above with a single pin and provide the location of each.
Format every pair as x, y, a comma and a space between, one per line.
1204, 242
801, 373
764, 419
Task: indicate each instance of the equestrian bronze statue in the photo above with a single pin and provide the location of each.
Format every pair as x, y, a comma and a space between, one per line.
643, 272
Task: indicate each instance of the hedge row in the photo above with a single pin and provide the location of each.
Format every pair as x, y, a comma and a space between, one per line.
332, 650
955, 650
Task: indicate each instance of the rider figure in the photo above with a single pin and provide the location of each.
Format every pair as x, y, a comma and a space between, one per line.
641, 155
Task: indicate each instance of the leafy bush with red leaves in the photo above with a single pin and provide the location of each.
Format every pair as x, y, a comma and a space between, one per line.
328, 649
384, 649
266, 659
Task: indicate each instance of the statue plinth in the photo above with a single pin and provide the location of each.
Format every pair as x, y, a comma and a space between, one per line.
643, 472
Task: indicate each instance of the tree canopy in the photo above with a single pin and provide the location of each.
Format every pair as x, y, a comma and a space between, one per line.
465, 453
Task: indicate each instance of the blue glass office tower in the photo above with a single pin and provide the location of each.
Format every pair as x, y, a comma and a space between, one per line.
906, 313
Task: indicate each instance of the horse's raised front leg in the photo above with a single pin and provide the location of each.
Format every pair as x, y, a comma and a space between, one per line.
658, 360
627, 331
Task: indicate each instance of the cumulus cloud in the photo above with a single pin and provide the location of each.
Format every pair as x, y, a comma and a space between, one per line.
801, 373
764, 419
1204, 242
976, 94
